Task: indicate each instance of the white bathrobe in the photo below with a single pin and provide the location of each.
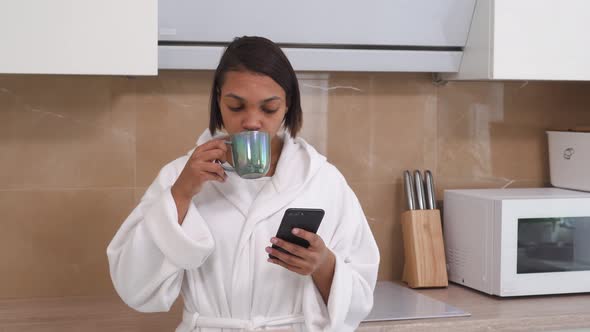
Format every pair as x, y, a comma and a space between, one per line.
152, 258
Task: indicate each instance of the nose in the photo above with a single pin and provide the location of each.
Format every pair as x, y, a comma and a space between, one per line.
252, 121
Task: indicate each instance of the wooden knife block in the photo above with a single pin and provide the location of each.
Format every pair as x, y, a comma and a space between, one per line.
424, 251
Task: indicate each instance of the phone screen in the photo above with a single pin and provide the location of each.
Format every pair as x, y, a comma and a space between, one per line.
307, 219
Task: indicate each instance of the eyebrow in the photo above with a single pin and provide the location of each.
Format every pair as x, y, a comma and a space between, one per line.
242, 99
271, 99
234, 96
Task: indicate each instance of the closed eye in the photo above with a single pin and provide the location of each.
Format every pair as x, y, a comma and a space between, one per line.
265, 110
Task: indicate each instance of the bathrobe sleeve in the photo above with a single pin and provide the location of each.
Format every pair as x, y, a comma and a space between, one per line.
149, 253
355, 275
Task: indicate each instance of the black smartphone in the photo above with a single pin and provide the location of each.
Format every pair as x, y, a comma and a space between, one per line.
307, 219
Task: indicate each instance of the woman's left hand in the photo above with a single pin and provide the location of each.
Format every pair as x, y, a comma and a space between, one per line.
304, 261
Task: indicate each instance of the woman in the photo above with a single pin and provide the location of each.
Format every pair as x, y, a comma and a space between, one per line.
207, 233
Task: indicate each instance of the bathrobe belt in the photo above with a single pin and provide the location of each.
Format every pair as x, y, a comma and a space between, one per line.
194, 320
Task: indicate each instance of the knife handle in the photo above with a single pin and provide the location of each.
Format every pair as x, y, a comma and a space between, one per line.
419, 186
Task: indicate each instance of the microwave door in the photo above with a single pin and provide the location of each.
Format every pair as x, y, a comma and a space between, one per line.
545, 247
553, 245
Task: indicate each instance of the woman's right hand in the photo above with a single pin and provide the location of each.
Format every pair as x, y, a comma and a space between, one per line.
200, 167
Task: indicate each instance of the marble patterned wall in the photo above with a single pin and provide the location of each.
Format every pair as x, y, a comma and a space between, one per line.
77, 153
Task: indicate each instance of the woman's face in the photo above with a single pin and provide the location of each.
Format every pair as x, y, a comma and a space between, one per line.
251, 101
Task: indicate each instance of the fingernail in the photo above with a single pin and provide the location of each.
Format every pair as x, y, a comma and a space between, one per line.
273, 240
268, 250
295, 231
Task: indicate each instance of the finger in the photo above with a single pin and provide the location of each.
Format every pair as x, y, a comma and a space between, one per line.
287, 258
210, 167
313, 239
211, 155
208, 176
218, 143
221, 137
291, 247
286, 266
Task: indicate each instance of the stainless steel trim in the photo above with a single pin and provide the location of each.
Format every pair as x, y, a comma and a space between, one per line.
315, 59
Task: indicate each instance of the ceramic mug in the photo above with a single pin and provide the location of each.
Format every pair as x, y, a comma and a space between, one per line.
250, 153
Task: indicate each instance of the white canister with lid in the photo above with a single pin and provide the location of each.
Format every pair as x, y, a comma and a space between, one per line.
569, 159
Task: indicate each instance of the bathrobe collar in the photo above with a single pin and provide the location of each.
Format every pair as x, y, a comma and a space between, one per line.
298, 163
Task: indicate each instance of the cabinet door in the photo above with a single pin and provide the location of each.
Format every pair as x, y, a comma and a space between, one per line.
324, 22
107, 37
541, 39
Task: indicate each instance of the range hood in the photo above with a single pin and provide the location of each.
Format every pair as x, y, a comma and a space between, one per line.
327, 35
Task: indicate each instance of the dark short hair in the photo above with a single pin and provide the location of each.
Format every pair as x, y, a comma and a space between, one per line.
262, 56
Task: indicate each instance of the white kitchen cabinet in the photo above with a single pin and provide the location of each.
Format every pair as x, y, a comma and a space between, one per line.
527, 40
107, 37
324, 35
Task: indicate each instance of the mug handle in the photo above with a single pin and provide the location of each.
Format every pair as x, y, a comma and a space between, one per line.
225, 168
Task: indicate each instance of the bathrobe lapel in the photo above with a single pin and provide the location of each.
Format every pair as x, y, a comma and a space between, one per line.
297, 164
235, 196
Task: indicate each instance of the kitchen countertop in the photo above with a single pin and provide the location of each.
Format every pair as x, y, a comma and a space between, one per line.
488, 313
491, 313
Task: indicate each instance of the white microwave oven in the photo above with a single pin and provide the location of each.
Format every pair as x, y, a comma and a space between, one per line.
514, 242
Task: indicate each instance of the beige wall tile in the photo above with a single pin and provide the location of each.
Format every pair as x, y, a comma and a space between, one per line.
173, 111
76, 98
315, 131
494, 132
465, 111
348, 126
382, 205
389, 125
53, 243
315, 90
64, 132
138, 194
403, 129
